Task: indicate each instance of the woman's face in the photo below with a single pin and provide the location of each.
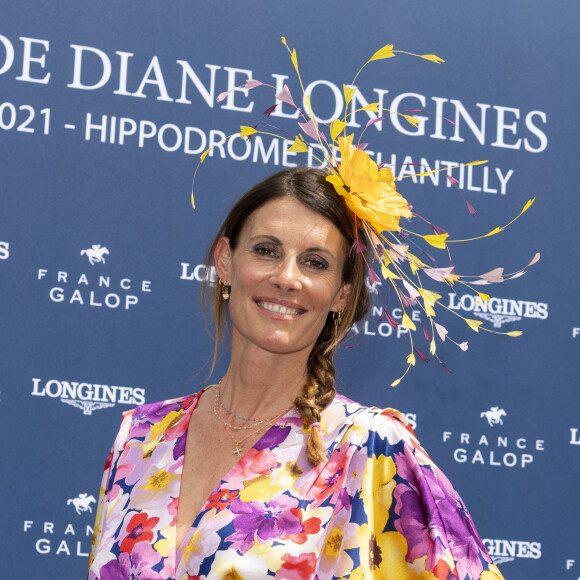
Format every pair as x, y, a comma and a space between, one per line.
285, 274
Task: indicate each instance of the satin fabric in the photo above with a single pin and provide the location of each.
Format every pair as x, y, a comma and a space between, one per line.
377, 508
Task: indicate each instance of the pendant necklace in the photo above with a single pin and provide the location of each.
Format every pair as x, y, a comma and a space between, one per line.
261, 423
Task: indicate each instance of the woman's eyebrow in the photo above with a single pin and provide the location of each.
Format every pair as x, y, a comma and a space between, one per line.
267, 236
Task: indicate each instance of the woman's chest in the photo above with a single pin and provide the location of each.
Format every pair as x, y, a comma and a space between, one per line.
209, 456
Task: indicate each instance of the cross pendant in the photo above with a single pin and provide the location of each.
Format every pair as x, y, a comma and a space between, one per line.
238, 450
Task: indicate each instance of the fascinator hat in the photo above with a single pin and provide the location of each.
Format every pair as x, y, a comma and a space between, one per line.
390, 249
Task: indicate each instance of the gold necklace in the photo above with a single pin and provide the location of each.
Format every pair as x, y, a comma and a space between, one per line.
238, 449
219, 403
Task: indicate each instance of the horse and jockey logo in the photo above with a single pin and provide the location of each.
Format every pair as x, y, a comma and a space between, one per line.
494, 416
96, 253
82, 503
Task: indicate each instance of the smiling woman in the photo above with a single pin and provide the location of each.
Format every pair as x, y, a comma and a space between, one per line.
286, 276
270, 473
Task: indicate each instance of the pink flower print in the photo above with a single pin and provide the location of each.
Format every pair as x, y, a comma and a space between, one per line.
330, 480
253, 463
300, 567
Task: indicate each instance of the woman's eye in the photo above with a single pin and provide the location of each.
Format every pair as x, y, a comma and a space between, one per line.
316, 263
264, 250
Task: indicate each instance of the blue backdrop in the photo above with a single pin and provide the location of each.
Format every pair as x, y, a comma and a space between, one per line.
104, 108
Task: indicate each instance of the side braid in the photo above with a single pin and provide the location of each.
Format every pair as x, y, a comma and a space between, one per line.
317, 393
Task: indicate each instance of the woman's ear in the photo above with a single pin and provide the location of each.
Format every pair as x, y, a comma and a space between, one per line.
222, 257
341, 299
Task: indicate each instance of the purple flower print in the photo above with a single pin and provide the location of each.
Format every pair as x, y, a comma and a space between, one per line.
179, 449
426, 490
342, 501
134, 566
263, 521
273, 437
149, 415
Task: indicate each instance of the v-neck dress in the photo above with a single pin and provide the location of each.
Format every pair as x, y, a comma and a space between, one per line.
378, 507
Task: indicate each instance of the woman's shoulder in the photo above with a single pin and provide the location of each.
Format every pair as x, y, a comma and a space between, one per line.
380, 431
157, 411
372, 417
374, 428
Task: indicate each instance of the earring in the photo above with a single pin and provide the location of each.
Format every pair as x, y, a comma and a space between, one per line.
225, 290
337, 317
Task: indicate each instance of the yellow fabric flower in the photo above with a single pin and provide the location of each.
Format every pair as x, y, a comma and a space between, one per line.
382, 556
261, 488
369, 192
377, 489
160, 480
164, 545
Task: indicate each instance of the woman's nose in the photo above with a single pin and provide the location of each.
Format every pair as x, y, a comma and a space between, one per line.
287, 275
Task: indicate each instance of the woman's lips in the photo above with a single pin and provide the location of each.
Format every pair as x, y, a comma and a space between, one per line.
279, 308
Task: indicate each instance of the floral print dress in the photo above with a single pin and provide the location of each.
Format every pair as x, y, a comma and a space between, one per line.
377, 508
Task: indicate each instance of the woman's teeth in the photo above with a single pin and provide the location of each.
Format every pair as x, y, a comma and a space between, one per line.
278, 308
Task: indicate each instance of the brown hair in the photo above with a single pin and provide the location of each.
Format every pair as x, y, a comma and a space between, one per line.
309, 187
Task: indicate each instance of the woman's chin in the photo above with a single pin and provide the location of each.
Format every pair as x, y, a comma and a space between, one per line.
281, 343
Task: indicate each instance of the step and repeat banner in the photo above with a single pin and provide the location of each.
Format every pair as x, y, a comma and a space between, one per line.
105, 108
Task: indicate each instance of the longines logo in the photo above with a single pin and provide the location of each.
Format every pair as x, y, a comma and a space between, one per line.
198, 273
499, 449
498, 310
96, 289
4, 250
574, 436
65, 539
503, 551
88, 397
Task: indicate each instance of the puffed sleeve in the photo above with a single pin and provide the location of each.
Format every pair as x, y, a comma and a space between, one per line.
416, 524
106, 494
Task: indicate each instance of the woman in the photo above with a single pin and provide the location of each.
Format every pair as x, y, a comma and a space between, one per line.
269, 473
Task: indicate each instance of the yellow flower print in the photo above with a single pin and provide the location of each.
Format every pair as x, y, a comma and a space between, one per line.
194, 546
335, 553
377, 489
270, 554
158, 430
260, 489
164, 545
369, 192
158, 481
382, 556
333, 543
293, 469
168, 421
